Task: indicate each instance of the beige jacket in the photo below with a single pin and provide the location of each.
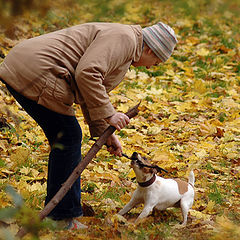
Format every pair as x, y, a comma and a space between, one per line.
80, 64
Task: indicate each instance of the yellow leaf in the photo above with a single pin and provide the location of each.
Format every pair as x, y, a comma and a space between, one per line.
20, 156
123, 108
136, 139
125, 198
199, 86
218, 60
185, 106
184, 22
143, 75
159, 155
232, 155
173, 117
131, 74
192, 40
230, 102
201, 154
131, 174
202, 52
34, 172
110, 177
25, 170
199, 215
154, 130
3, 145
188, 71
118, 98
129, 132
170, 72
210, 207
118, 218
98, 169
37, 187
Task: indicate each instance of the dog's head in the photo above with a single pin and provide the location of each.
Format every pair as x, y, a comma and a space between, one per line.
140, 167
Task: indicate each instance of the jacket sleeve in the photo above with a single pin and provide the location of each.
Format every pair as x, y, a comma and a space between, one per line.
96, 127
106, 53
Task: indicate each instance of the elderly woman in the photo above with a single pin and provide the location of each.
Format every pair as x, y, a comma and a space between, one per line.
80, 64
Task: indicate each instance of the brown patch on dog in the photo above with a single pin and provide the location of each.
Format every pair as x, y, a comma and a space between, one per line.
182, 186
146, 170
145, 161
149, 170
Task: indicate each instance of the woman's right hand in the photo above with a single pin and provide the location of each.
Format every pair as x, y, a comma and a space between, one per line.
118, 120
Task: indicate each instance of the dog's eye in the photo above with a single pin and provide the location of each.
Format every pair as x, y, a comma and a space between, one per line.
140, 164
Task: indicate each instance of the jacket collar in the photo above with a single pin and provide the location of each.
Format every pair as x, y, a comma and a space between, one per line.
139, 41
149, 182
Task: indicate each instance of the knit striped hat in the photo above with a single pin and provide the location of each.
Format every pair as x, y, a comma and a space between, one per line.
161, 39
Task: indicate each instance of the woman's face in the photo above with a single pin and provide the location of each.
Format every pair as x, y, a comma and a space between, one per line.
147, 59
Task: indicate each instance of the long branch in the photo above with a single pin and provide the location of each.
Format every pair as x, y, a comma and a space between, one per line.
78, 170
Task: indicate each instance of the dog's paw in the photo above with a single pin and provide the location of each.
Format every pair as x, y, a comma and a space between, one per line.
139, 221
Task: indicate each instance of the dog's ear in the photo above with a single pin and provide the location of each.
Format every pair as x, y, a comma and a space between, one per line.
149, 170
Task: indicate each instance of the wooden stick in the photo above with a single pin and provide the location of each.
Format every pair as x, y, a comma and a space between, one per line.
78, 170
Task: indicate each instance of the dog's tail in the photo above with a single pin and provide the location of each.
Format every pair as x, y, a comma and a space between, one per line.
191, 178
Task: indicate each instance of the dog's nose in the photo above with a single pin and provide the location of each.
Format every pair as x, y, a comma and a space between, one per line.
134, 156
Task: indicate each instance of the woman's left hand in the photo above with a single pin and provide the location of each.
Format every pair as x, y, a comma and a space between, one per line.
114, 146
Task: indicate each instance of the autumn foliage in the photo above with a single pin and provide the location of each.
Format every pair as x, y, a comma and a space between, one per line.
189, 119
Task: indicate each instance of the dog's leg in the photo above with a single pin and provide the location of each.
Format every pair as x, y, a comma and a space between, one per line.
133, 202
184, 209
145, 212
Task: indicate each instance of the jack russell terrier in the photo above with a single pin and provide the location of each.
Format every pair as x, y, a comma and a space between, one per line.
156, 192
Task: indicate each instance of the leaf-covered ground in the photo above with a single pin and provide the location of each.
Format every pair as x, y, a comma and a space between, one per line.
189, 118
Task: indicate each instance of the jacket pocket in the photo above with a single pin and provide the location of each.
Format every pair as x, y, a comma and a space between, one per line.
62, 92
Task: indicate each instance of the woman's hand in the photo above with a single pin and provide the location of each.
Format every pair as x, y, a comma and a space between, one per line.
114, 146
118, 120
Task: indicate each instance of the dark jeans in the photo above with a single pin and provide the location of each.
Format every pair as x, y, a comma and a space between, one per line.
64, 135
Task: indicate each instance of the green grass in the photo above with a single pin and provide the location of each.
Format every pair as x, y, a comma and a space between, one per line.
2, 163
215, 195
131, 84
112, 193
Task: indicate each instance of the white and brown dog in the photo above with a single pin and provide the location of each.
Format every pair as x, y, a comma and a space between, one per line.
156, 192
